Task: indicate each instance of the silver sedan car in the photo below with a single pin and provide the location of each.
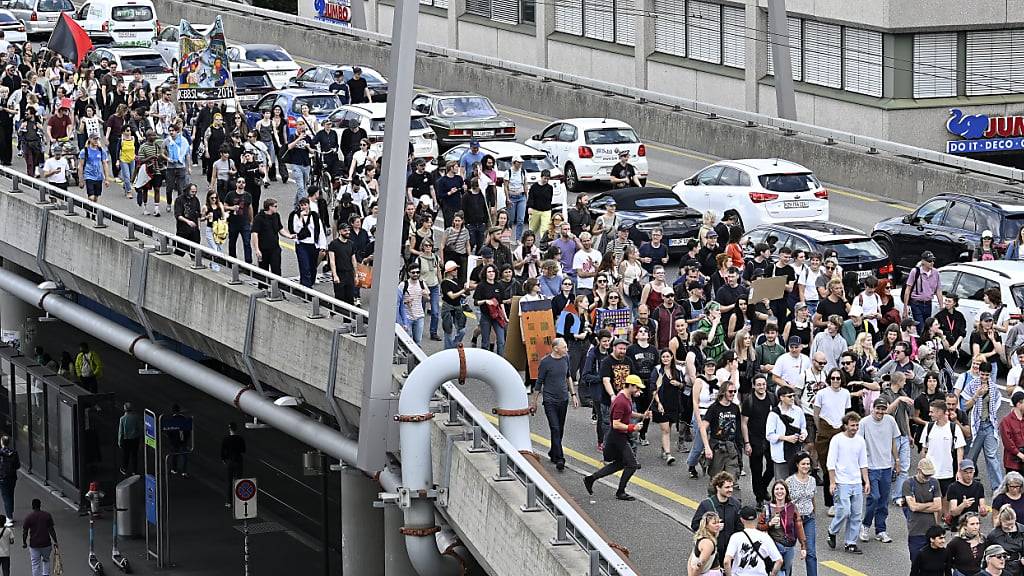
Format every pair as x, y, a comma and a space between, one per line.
39, 16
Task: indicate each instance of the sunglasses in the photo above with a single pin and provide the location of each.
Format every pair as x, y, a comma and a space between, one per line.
613, 297
836, 379
830, 267
1000, 556
789, 395
730, 391
602, 281
846, 362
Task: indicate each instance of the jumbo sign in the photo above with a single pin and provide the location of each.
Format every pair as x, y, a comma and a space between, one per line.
334, 11
983, 133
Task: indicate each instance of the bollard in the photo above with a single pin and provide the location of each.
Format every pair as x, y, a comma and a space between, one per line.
531, 499
163, 248
561, 537
197, 262
314, 309
503, 475
275, 292
595, 563
478, 441
453, 414
16, 184
131, 233
100, 218
70, 207
235, 280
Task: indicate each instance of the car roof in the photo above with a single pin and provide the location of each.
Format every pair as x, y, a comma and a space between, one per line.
1004, 199
363, 67
295, 92
376, 109
500, 149
450, 93
130, 51
1007, 269
244, 66
765, 165
261, 47
586, 123
634, 193
819, 231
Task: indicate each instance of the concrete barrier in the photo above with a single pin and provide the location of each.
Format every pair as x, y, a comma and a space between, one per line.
880, 175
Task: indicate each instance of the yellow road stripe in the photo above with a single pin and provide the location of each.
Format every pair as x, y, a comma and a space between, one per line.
285, 245
842, 569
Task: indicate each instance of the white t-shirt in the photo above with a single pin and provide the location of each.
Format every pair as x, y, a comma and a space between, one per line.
809, 386
940, 443
586, 261
808, 279
61, 176
790, 369
847, 456
753, 553
833, 404
870, 304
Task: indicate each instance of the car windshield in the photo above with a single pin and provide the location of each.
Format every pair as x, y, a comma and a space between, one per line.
144, 62
530, 163
1011, 226
6, 17
251, 80
610, 136
417, 123
267, 55
1018, 295
320, 104
855, 249
466, 106
370, 77
55, 6
789, 182
657, 202
132, 13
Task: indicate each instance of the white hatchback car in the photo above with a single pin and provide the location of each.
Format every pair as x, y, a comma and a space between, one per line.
587, 148
149, 61
371, 119
278, 63
14, 29
760, 191
970, 280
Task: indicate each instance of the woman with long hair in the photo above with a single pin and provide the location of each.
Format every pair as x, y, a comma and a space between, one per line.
502, 221
279, 127
707, 224
577, 335
666, 381
602, 287
704, 559
733, 248
526, 256
885, 350
722, 265
743, 347
653, 293
890, 314
802, 489
487, 296
964, 550
864, 349
739, 319
213, 211
801, 326
703, 395
455, 245
782, 522
1013, 250
632, 272
265, 130
566, 292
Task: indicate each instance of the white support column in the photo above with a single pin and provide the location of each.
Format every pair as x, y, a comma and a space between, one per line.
644, 41
372, 15
756, 50
362, 525
456, 8
544, 13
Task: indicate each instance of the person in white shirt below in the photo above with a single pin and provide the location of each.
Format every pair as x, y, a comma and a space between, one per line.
869, 301
880, 433
585, 263
786, 431
751, 552
848, 481
829, 405
789, 368
55, 170
807, 385
943, 443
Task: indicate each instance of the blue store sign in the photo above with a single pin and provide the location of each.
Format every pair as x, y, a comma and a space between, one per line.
982, 133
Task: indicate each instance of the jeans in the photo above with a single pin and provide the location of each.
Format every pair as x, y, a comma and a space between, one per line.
556, 412
903, 451
126, 171
787, 558
301, 175
604, 415
306, 255
877, 508
811, 530
849, 500
40, 560
7, 494
517, 214
208, 236
920, 310
435, 309
272, 161
476, 235
486, 324
245, 230
416, 329
698, 443
985, 437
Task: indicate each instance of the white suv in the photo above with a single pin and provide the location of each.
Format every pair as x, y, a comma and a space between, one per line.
970, 280
371, 118
760, 191
588, 148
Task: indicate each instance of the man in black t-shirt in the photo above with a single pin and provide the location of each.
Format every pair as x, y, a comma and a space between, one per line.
755, 409
720, 431
341, 254
538, 203
966, 494
419, 184
623, 174
339, 87
614, 370
266, 227
238, 204
358, 93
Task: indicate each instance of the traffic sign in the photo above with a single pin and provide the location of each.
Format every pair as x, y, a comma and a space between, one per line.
245, 498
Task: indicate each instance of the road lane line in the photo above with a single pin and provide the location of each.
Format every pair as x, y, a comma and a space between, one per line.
842, 569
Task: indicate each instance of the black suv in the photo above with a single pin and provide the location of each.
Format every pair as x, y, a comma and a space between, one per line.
855, 251
950, 225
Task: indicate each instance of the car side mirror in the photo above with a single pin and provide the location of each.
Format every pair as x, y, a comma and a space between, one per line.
909, 219
964, 257
535, 137
690, 182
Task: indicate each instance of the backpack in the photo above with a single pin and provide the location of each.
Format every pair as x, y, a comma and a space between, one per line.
86, 370
9, 463
952, 446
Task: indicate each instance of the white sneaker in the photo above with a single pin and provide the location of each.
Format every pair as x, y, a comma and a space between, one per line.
865, 534
831, 511
9, 523
883, 538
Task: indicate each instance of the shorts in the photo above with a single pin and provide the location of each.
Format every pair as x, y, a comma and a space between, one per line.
93, 187
660, 418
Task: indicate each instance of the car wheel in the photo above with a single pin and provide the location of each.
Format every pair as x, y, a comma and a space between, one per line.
572, 180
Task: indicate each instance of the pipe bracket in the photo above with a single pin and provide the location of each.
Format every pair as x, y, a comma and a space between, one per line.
520, 412
238, 397
414, 417
419, 532
462, 365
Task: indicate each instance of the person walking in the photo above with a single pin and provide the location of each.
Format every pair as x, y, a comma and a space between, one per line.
880, 433
847, 465
232, 452
557, 388
88, 367
6, 542
723, 504
10, 463
129, 431
94, 168
704, 560
617, 451
341, 257
266, 228
994, 561
921, 500
751, 552
721, 434
933, 560
40, 537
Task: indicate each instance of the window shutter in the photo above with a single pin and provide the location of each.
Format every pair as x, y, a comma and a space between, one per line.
862, 59
569, 18
441, 4
734, 41
795, 53
506, 11
669, 27
823, 56
993, 67
704, 31
935, 65
598, 20
625, 22
479, 7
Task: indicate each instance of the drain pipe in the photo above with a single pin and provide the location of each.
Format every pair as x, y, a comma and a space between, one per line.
225, 389
414, 416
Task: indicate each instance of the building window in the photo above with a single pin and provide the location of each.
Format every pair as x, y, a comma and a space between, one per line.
479, 8
506, 11
734, 37
528, 11
670, 27
598, 19
823, 57
625, 22
862, 61
995, 63
435, 3
795, 54
704, 31
935, 65
569, 18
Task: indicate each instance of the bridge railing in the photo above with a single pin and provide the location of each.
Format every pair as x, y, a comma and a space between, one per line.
864, 144
572, 528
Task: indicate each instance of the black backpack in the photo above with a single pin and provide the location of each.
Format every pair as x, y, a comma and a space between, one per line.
9, 464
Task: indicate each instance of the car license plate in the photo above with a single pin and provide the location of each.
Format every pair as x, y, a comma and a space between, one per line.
247, 97
792, 204
127, 34
51, 18
862, 274
676, 241
483, 133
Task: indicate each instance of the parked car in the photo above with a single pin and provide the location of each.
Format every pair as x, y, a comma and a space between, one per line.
251, 82
119, 22
154, 69
970, 280
759, 191
648, 208
38, 16
534, 161
855, 250
321, 105
274, 59
950, 225
588, 148
458, 117
322, 76
371, 119
167, 43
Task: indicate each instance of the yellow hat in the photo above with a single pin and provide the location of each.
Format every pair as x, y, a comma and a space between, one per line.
635, 380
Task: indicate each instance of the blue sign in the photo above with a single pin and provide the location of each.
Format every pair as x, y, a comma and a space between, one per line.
966, 126
151, 499
333, 11
981, 146
983, 133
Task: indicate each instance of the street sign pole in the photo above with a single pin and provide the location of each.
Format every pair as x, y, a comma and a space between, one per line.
245, 545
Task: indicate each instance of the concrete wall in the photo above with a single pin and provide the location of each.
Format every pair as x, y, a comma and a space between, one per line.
432, 29
873, 174
918, 14
590, 62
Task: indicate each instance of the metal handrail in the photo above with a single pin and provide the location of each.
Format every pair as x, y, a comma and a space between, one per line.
603, 558
868, 144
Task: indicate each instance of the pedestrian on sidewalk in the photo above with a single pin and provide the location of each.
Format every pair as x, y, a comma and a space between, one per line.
617, 451
847, 465
129, 431
232, 452
557, 387
178, 429
6, 541
10, 463
40, 537
88, 367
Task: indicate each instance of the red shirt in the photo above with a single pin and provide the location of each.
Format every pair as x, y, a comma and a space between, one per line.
622, 410
1011, 431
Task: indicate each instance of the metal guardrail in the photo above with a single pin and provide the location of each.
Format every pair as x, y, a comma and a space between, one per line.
790, 127
572, 528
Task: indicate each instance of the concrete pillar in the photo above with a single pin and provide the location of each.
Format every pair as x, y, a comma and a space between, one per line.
396, 558
371, 15
897, 75
362, 525
644, 41
18, 319
544, 14
756, 54
456, 8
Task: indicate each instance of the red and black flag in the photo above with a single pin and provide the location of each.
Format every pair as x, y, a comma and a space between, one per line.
69, 40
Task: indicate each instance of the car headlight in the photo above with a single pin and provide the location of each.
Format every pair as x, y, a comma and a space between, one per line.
646, 226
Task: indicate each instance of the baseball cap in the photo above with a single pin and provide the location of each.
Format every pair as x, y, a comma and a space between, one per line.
635, 381
517, 159
794, 341
986, 316
880, 403
344, 226
928, 256
748, 513
611, 202
449, 266
624, 226
986, 234
926, 467
474, 143
994, 550
711, 234
967, 464
623, 153
620, 340
486, 252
